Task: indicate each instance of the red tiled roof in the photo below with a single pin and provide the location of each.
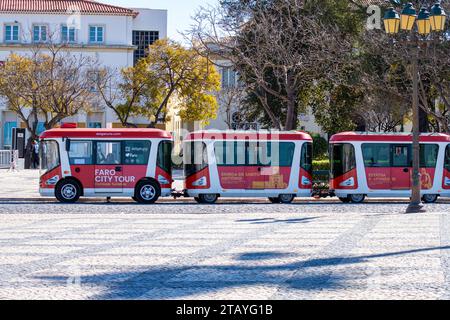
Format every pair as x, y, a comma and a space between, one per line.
62, 6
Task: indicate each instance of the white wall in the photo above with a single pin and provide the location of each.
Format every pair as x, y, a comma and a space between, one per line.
118, 28
151, 20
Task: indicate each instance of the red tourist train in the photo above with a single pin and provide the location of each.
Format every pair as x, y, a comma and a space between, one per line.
137, 163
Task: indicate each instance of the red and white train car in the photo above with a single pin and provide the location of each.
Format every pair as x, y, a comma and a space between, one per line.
105, 163
380, 165
277, 165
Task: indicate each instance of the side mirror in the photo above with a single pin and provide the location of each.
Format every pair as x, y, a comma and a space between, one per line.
67, 145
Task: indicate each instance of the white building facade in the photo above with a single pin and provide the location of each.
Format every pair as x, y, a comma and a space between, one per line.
116, 37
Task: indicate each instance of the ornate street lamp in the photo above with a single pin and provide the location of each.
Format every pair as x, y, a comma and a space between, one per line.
437, 18
425, 23
408, 17
391, 21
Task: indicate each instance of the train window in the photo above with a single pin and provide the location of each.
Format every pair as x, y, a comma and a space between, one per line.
307, 155
343, 159
401, 155
195, 157
137, 152
164, 160
278, 154
447, 158
80, 153
108, 153
230, 153
428, 155
376, 155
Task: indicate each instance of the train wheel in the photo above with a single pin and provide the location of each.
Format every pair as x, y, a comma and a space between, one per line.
208, 198
357, 198
274, 200
147, 192
286, 198
68, 191
345, 200
430, 198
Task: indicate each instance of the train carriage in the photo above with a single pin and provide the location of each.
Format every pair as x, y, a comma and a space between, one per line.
380, 165
277, 165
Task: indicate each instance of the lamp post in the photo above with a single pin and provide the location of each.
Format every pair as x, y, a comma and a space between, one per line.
426, 23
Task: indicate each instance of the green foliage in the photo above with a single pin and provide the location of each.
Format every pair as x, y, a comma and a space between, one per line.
320, 150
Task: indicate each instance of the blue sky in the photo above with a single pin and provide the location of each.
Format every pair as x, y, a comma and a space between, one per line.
179, 11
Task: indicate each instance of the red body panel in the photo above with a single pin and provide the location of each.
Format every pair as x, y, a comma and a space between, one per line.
44, 182
335, 183
166, 176
106, 177
261, 136
446, 178
189, 181
355, 136
307, 175
106, 133
254, 177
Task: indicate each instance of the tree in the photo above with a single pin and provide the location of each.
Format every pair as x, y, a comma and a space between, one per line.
170, 73
279, 47
48, 82
434, 66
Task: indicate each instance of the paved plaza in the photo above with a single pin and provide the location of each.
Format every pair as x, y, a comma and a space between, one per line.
233, 250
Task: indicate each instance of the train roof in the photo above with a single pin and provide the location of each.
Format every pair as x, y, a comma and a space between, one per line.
250, 135
391, 137
138, 133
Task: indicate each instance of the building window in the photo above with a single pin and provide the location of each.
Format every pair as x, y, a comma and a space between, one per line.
12, 33
96, 34
94, 125
39, 33
228, 78
68, 34
143, 39
7, 133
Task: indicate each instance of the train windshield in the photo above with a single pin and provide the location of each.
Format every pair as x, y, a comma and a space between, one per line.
195, 157
447, 158
49, 156
307, 156
343, 159
165, 156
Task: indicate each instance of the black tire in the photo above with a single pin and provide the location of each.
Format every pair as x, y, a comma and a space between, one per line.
208, 198
134, 198
68, 191
357, 198
274, 200
345, 200
430, 198
147, 192
286, 198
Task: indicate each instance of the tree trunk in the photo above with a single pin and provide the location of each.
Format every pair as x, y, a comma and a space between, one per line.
29, 153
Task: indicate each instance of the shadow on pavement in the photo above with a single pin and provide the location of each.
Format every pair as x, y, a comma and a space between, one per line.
167, 282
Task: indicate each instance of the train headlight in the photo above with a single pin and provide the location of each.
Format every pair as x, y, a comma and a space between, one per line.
52, 181
348, 183
163, 180
447, 181
305, 181
202, 182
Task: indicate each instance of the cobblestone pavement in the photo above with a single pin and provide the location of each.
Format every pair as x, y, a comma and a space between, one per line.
319, 250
